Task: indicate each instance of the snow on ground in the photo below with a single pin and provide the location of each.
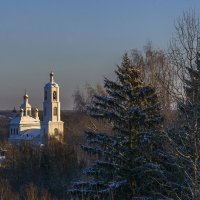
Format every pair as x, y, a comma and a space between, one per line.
2, 158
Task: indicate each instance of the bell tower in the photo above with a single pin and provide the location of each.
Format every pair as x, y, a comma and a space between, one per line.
51, 125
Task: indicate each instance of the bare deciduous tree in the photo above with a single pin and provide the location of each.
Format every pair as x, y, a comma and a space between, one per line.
79, 101
184, 56
83, 98
156, 72
183, 49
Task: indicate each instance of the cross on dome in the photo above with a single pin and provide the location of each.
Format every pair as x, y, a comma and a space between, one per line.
51, 77
25, 95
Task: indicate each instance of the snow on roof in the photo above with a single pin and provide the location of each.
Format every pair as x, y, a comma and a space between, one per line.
30, 134
15, 120
24, 120
48, 85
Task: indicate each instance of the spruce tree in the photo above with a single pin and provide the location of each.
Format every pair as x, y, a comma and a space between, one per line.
132, 162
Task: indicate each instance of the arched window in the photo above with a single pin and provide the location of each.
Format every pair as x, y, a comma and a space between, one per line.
11, 131
55, 96
28, 112
55, 111
45, 95
55, 132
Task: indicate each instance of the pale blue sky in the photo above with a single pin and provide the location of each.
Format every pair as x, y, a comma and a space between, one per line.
80, 40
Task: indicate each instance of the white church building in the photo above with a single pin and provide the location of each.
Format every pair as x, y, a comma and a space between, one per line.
27, 126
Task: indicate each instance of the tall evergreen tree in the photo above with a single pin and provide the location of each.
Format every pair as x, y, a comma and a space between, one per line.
132, 162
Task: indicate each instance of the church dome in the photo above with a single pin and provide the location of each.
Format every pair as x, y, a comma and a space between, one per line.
52, 83
26, 96
25, 103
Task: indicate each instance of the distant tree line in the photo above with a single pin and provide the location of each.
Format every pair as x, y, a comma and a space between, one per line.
33, 172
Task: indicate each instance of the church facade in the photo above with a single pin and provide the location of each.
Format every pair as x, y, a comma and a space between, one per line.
27, 125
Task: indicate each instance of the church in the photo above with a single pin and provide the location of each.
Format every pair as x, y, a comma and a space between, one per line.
27, 125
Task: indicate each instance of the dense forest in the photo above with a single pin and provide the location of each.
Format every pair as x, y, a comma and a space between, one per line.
136, 137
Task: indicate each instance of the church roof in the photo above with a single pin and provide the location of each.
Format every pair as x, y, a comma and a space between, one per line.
30, 134
50, 84
23, 120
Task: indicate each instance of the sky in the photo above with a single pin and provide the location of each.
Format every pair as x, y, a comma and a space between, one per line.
82, 41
